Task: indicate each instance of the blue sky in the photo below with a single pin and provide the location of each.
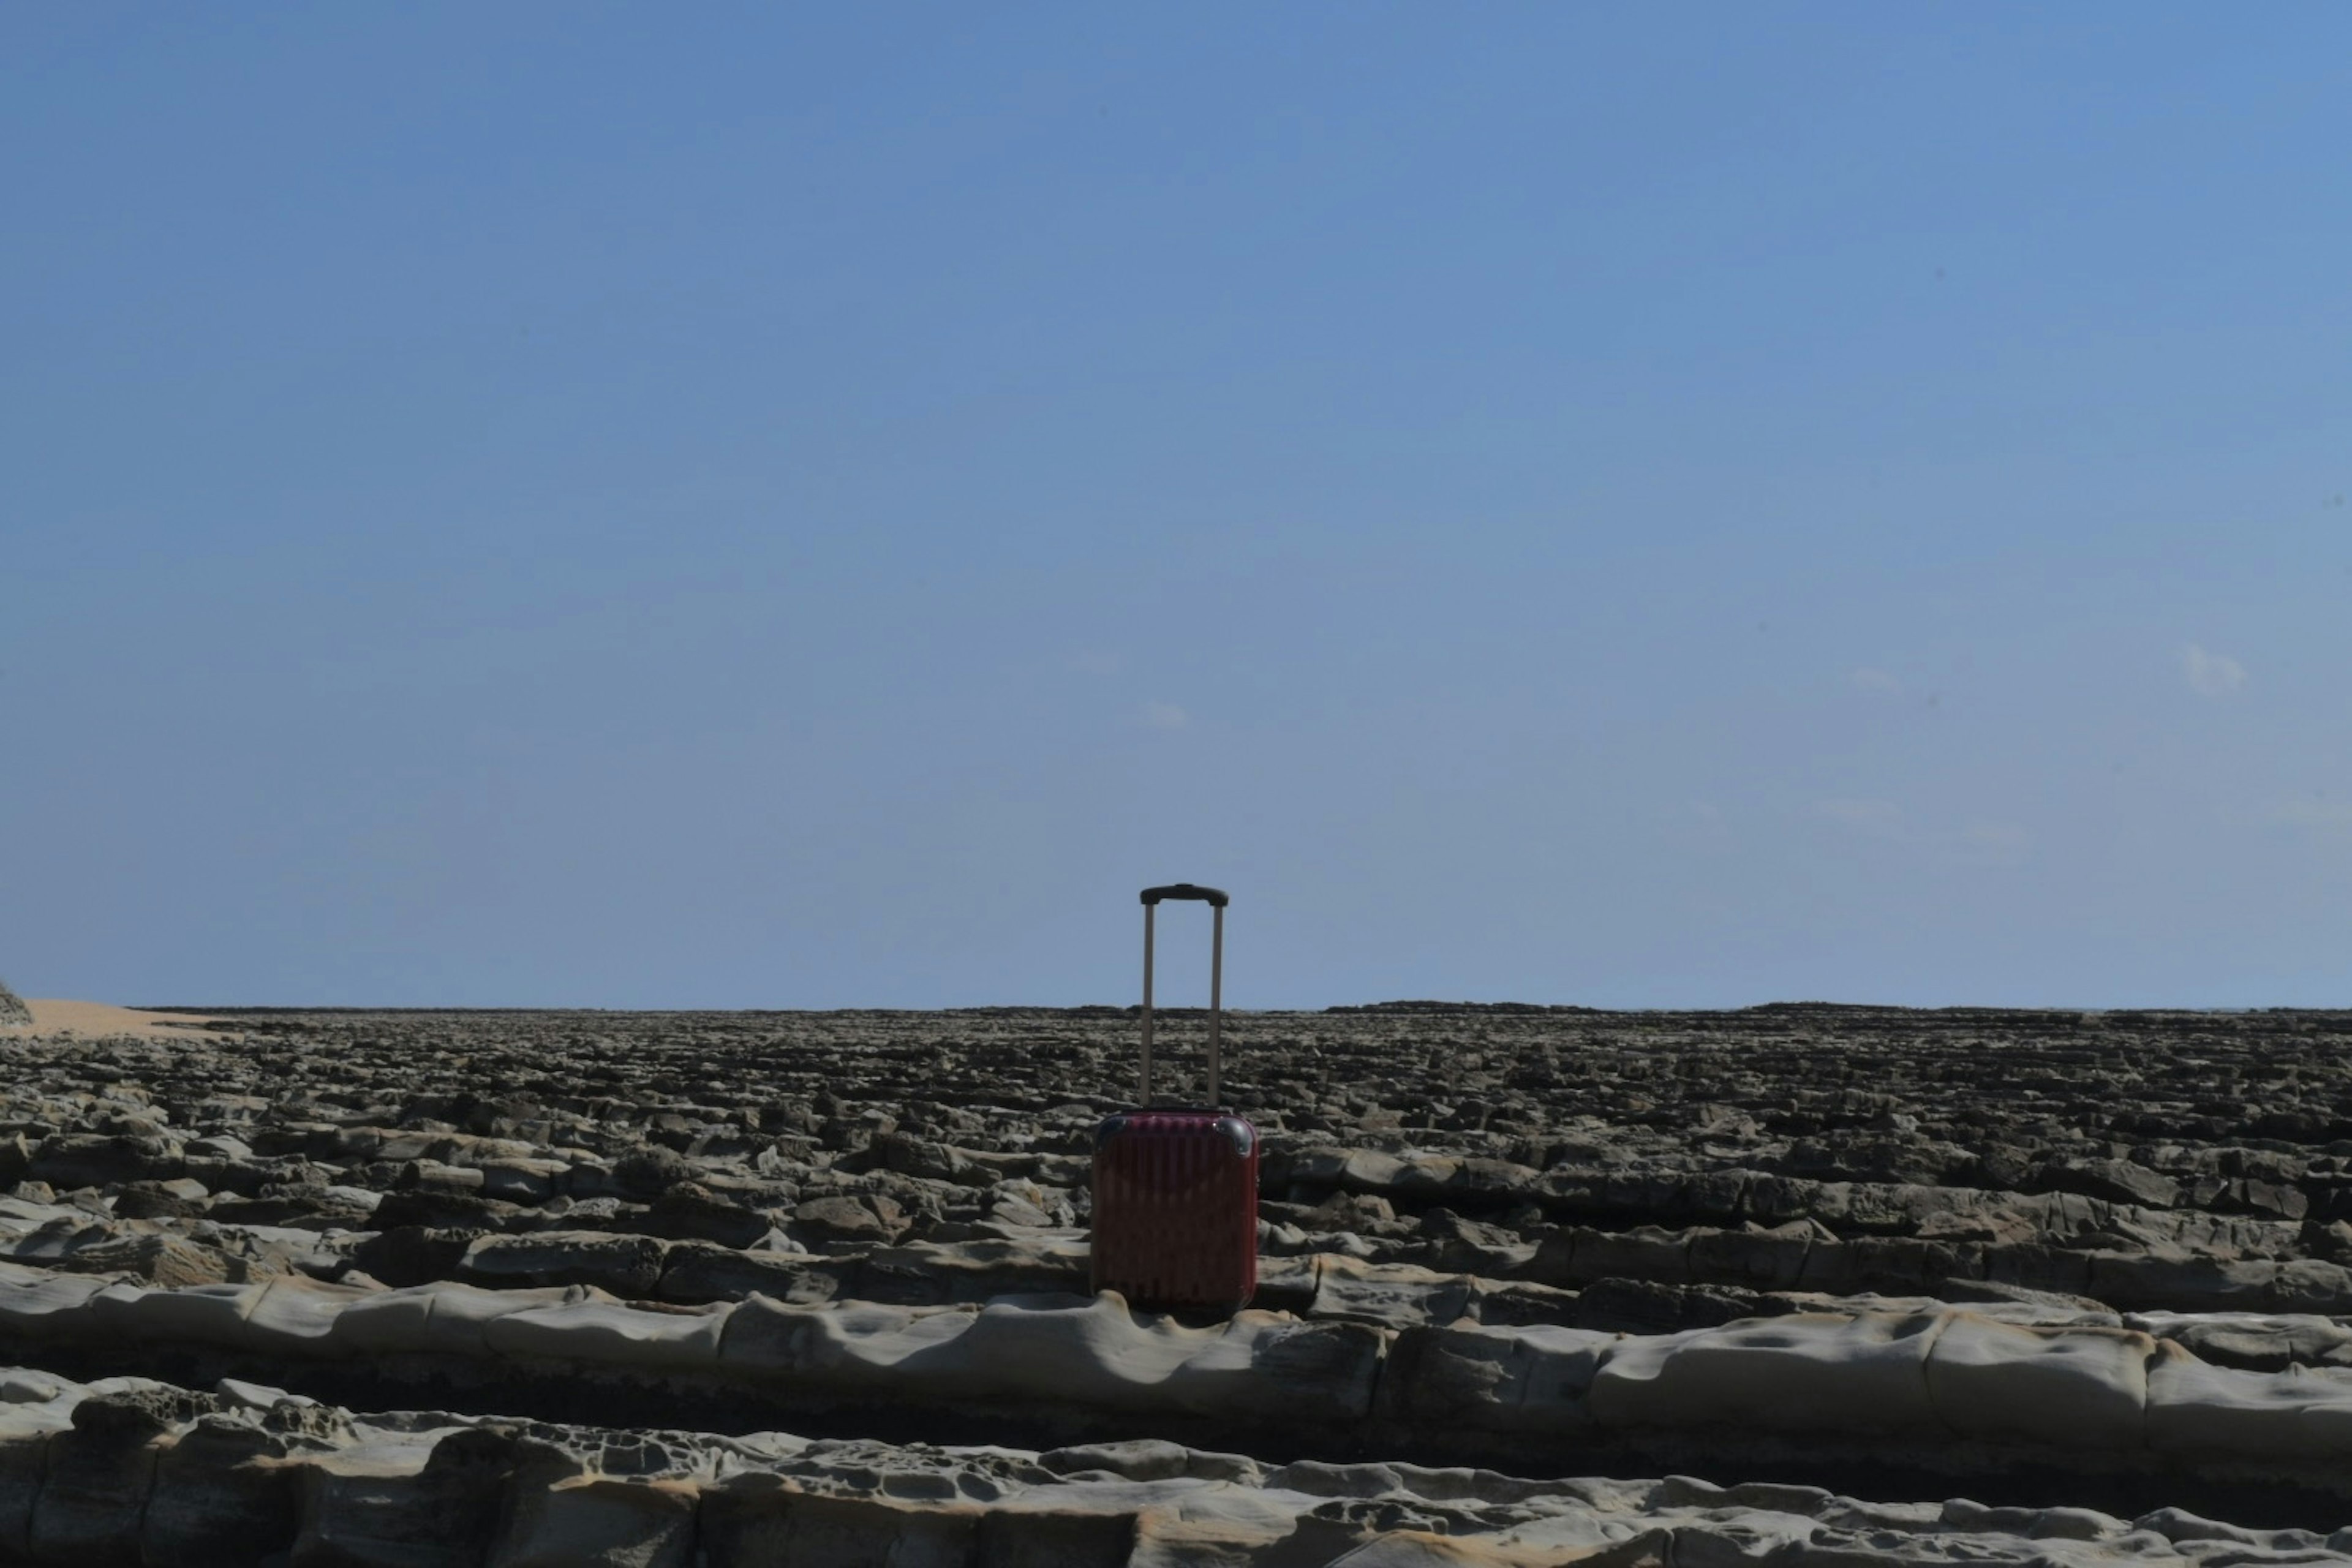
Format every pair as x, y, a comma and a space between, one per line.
814, 507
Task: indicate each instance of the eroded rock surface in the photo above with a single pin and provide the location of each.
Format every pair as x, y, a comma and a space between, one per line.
126, 1470
2105, 1252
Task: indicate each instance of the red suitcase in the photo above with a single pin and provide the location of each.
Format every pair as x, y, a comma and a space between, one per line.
1175, 1190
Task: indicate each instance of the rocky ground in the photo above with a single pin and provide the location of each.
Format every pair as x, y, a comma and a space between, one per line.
1815, 1284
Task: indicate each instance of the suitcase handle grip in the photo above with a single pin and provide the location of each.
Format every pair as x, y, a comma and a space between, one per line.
1214, 897
1216, 900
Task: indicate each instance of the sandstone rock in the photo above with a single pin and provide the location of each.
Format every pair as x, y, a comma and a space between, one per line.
1825, 1143
92, 1160
1795, 1373
597, 1521
1581, 1255
523, 1179
24, 1465
1390, 1296
928, 1273
1534, 1380
443, 1211
768, 1522
1286, 1284
1511, 1303
1899, 1264
425, 1175
37, 1305
1151, 1459
2033, 1266
296, 1316
695, 1272
1349, 1211
224, 1495
99, 1473
691, 1212
613, 1336
156, 1475
2118, 1181
915, 1156
625, 1265
434, 1319
201, 1314
408, 1254
1644, 1307
1095, 1353
2197, 1408
1756, 1259
2136, 1283
2083, 1388
158, 1259
406, 1502
648, 1172
864, 1217
158, 1200
2250, 1341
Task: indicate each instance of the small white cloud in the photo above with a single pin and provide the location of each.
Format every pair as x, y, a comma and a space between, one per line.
1875, 818
1696, 822
2312, 814
2210, 674
1165, 716
1993, 843
1976, 841
1870, 679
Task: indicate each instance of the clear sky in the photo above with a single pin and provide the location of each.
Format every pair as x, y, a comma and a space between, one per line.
814, 506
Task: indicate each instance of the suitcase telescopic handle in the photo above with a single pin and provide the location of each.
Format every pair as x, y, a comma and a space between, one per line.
1215, 897
1216, 901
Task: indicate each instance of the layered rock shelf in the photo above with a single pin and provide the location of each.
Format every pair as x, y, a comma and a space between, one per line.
1934, 1387
2081, 1267
125, 1470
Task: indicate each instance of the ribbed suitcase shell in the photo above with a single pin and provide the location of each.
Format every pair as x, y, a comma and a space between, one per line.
1175, 1201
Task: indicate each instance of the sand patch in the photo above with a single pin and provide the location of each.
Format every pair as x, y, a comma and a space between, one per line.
101, 1019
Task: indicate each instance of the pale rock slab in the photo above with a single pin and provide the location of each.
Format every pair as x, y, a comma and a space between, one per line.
2081, 1388
1390, 1296
436, 1319
612, 1335
1796, 1373
2295, 1416
2254, 1341
1521, 1380
295, 1315
1090, 1352
201, 1314
974, 1270
144, 1472
38, 1304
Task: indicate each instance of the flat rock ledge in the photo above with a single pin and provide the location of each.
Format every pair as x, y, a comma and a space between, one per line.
1933, 1386
127, 1470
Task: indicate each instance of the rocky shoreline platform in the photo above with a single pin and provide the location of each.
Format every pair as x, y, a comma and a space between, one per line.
1798, 1284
